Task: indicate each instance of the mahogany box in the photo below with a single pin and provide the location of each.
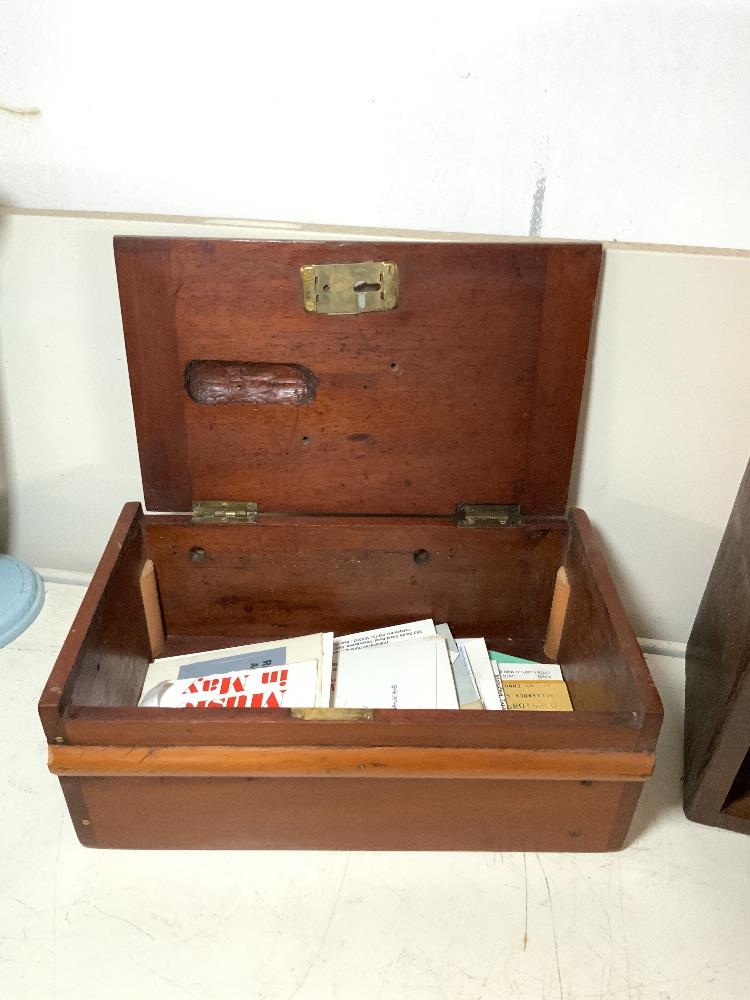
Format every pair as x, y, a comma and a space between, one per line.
339, 436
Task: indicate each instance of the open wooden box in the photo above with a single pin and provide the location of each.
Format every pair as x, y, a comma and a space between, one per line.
361, 409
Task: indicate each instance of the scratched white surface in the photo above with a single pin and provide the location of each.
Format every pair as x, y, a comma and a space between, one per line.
666, 918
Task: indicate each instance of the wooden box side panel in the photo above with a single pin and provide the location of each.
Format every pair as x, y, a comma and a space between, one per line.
351, 814
534, 731
717, 676
106, 653
295, 575
601, 659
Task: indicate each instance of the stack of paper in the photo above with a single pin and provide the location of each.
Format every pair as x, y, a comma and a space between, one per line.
529, 686
412, 673
416, 665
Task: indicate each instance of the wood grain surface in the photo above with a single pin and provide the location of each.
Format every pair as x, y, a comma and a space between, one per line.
388, 814
609, 732
717, 684
468, 391
147, 300
603, 663
371, 762
291, 575
107, 651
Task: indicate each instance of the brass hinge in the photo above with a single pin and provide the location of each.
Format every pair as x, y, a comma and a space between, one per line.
473, 515
225, 512
347, 289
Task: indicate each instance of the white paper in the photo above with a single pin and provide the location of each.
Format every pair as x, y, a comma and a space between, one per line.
528, 671
382, 636
405, 674
475, 651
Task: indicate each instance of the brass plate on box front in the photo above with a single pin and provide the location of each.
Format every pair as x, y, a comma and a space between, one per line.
347, 289
331, 714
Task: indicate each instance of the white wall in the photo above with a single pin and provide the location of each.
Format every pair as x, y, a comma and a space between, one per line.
600, 120
665, 430
664, 439
608, 119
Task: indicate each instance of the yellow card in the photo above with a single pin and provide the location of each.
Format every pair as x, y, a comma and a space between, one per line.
537, 696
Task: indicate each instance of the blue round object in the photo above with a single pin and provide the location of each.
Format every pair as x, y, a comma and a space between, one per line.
21, 598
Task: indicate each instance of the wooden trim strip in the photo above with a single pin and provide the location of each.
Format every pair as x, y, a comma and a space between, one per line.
152, 609
559, 609
348, 762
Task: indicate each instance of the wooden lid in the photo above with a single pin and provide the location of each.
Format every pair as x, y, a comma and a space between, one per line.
467, 391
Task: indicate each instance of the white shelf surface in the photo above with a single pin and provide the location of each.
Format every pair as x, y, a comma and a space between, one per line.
666, 918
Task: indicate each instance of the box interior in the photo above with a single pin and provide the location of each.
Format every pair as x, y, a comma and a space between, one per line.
290, 575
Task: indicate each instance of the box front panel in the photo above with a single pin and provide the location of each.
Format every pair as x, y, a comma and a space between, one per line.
351, 814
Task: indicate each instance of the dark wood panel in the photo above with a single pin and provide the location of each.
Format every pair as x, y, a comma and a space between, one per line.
738, 800
105, 656
129, 726
468, 391
526, 643
350, 814
147, 299
291, 576
631, 793
739, 808
602, 661
563, 344
717, 682
472, 563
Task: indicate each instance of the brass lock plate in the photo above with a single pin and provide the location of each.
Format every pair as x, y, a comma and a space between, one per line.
347, 289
